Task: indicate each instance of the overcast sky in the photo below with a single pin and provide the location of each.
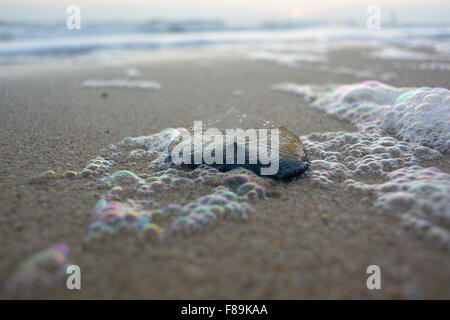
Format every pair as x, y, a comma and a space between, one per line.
231, 11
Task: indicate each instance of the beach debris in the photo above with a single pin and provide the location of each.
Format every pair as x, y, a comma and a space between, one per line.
289, 154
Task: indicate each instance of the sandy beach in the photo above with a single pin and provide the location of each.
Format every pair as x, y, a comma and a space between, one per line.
302, 242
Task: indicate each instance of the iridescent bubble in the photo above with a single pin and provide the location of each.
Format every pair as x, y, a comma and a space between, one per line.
182, 225
70, 174
182, 182
43, 269
117, 190
230, 196
217, 209
151, 232
156, 215
245, 188
158, 186
125, 179
85, 173
111, 215
65, 250
234, 181
131, 215
219, 200
172, 209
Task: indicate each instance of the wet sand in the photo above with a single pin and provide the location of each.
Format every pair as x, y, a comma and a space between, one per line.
302, 243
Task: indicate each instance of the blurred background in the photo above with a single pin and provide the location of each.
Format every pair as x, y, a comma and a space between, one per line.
31, 30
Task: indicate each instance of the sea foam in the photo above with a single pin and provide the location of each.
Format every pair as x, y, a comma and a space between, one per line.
417, 115
121, 83
399, 129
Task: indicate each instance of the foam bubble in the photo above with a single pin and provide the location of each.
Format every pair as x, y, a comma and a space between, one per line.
417, 115
121, 83
133, 203
42, 270
398, 129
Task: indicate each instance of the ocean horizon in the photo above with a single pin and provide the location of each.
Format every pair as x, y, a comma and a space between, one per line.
33, 40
